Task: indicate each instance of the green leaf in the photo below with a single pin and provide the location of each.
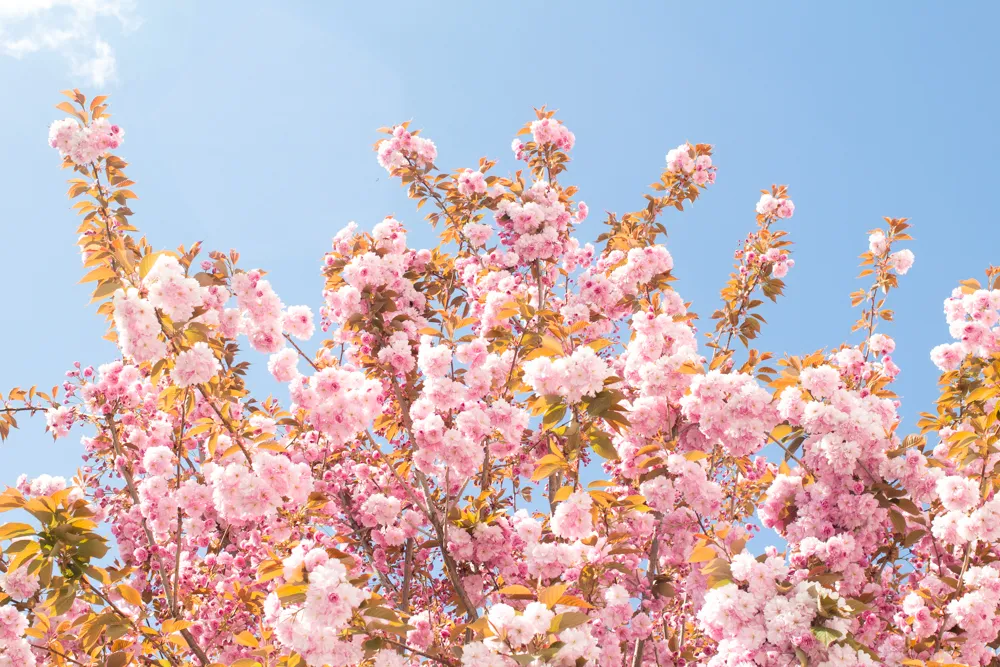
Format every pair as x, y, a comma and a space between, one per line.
826, 635
600, 442
600, 403
570, 619
383, 613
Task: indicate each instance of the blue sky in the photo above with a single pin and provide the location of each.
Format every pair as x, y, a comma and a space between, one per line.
253, 128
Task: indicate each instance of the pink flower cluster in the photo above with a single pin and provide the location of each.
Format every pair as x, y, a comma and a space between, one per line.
194, 366
313, 628
397, 354
973, 320
19, 584
451, 449
537, 227
580, 374
965, 519
661, 345
976, 612
118, 385
780, 262
15, 651
878, 244
170, 290
261, 309
572, 519
900, 261
298, 321
731, 408
339, 402
243, 495
158, 460
84, 144
684, 160
881, 344
754, 622
518, 628
543, 558
373, 270
450, 386
43, 485
138, 328
552, 131
60, 420
834, 517
771, 206
574, 643
477, 233
641, 266
380, 510
404, 148
283, 365
691, 481
471, 182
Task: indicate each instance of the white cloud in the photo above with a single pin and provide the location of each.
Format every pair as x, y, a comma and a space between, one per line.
70, 28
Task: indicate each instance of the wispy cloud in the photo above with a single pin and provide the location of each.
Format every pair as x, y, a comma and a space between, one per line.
70, 28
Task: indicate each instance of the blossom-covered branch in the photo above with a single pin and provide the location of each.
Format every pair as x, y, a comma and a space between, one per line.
508, 449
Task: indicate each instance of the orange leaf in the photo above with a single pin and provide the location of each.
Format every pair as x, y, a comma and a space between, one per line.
702, 554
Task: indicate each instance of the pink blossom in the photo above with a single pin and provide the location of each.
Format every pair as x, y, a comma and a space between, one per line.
680, 159
877, 243
158, 460
820, 381
529, 434
949, 356
573, 377
176, 295
84, 144
195, 366
298, 321
404, 148
19, 583
551, 131
478, 234
881, 344
59, 420
958, 494
138, 328
901, 261
731, 408
471, 182
382, 510
572, 519
283, 365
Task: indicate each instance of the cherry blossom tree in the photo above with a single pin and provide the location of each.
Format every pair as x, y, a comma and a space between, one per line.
513, 448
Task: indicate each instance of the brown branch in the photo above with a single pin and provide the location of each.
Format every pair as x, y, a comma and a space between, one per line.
416, 651
407, 575
57, 653
789, 453
32, 408
301, 353
180, 519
